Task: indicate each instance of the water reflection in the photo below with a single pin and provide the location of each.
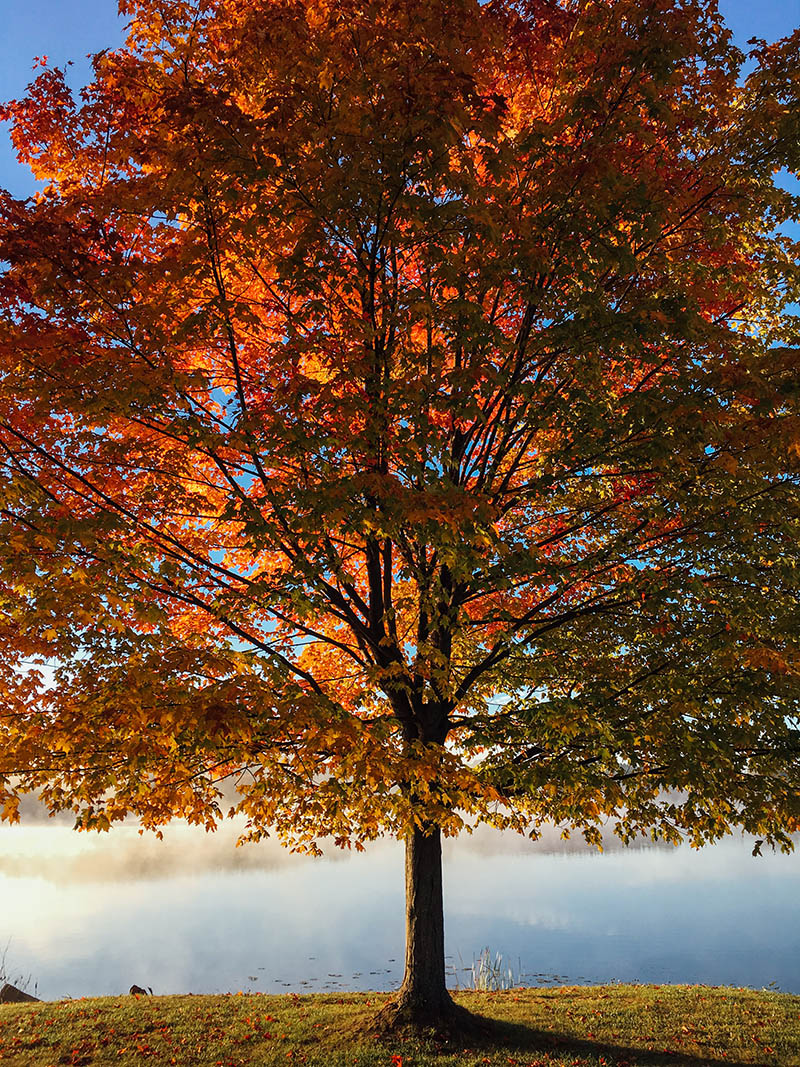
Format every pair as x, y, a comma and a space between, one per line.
91, 915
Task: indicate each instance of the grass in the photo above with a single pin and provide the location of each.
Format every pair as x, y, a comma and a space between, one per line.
491, 973
578, 1026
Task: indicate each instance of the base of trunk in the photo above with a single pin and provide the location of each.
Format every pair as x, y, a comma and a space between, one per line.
442, 1019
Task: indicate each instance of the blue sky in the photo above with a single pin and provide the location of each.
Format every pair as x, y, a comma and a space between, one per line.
69, 29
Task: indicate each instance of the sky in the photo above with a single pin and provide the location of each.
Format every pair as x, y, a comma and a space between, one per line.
66, 30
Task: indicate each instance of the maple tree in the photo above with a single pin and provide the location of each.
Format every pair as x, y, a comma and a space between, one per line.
399, 417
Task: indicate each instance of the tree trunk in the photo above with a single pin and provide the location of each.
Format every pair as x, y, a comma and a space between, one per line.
423, 996
422, 1002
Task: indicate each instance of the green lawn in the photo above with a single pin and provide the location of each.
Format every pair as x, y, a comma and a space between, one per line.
583, 1026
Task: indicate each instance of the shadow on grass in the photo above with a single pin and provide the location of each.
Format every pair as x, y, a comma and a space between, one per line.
528, 1041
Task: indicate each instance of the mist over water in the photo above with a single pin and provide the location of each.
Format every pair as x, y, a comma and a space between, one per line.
86, 914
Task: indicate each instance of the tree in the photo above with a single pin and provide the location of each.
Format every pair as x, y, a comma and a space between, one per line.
399, 415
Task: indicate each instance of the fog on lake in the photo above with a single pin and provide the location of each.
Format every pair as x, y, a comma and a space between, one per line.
90, 915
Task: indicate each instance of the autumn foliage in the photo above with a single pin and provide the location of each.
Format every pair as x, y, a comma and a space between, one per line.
399, 419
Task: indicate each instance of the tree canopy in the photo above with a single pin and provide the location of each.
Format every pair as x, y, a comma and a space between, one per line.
399, 413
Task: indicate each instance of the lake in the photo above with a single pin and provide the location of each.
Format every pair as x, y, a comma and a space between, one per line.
89, 915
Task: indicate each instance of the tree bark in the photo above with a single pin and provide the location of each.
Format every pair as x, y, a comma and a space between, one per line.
422, 1002
423, 996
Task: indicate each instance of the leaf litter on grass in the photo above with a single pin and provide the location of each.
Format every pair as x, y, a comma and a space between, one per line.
579, 1026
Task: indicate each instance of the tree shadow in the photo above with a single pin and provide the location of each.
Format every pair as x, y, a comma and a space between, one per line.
519, 1038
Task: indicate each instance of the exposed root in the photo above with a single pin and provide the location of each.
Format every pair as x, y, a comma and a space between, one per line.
445, 1022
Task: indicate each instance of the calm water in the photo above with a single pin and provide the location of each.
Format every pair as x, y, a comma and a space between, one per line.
89, 915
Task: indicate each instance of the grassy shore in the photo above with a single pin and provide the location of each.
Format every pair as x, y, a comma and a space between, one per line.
583, 1026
